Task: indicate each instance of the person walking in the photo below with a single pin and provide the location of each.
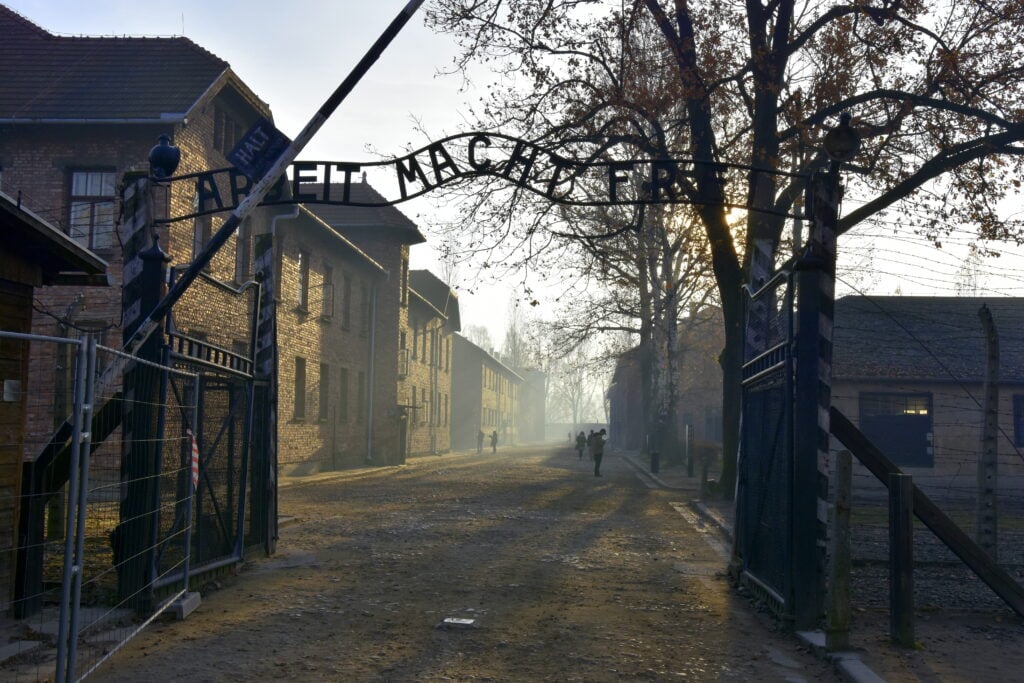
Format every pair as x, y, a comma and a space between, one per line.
494, 441
581, 443
480, 442
590, 444
598, 451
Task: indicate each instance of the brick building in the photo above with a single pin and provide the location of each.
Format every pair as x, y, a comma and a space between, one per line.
485, 395
425, 363
327, 292
385, 235
76, 114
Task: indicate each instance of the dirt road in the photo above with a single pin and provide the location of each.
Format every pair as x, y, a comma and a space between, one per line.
566, 577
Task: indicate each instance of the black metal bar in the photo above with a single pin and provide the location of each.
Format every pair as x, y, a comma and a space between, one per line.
263, 186
997, 578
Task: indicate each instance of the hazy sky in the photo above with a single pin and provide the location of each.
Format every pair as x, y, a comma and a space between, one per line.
292, 55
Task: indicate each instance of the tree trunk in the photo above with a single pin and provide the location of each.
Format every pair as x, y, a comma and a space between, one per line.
731, 361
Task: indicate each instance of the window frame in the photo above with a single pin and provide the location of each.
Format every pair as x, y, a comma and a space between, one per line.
93, 202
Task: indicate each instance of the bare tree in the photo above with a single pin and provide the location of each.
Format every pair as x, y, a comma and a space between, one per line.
479, 335
516, 348
573, 392
936, 92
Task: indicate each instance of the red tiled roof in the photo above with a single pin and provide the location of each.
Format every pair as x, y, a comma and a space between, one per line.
43, 76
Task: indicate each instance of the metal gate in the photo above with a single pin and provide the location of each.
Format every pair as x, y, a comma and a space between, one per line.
222, 526
782, 494
764, 500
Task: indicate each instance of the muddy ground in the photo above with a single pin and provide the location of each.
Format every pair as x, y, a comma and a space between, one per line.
564, 576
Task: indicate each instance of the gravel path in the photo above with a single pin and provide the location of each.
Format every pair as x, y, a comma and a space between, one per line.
564, 576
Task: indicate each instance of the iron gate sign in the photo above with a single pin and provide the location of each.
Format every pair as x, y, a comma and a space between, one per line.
591, 181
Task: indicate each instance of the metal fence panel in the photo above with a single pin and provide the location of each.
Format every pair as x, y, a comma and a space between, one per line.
67, 523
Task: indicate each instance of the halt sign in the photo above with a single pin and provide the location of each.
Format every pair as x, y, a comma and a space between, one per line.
258, 149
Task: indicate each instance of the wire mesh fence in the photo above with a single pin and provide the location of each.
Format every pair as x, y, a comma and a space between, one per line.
97, 546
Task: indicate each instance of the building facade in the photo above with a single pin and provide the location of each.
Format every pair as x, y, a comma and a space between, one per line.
385, 235
325, 298
76, 115
909, 372
486, 396
425, 364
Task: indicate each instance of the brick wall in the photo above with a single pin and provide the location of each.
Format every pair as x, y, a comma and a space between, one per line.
37, 161
326, 426
486, 396
429, 380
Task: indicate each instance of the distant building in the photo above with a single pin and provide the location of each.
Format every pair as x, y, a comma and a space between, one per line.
486, 396
909, 371
701, 338
625, 404
384, 234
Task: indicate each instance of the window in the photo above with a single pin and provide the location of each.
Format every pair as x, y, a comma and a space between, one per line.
401, 339
415, 340
303, 280
1018, 420
343, 397
448, 355
324, 393
405, 282
900, 425
361, 392
226, 131
446, 410
91, 202
300, 389
346, 302
327, 304
243, 252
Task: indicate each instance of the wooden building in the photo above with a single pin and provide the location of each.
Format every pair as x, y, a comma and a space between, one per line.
34, 255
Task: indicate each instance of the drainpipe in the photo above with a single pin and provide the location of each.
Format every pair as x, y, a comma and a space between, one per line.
294, 213
372, 374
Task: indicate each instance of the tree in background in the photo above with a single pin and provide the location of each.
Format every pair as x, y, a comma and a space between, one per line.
748, 90
574, 388
479, 335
